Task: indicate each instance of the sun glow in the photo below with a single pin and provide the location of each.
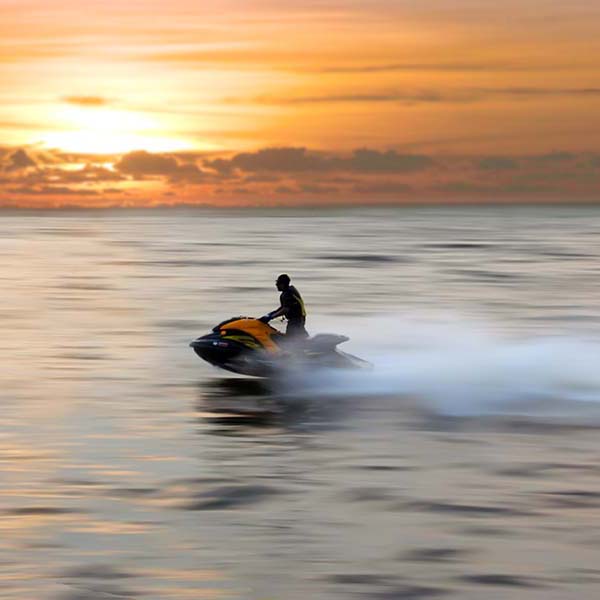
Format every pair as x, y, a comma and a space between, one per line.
107, 130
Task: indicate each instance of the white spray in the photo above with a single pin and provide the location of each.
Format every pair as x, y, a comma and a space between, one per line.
464, 367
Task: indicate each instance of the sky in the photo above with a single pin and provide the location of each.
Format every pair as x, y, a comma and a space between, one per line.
268, 103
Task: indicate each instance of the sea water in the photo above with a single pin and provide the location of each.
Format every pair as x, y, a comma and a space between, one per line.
464, 464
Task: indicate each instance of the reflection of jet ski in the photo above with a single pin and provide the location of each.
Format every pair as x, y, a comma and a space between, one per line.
250, 347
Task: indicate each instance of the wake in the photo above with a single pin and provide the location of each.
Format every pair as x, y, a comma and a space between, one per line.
459, 367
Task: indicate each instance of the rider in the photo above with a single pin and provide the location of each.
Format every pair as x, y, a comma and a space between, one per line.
291, 307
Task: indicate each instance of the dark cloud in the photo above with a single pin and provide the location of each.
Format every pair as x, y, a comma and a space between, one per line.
554, 157
53, 191
261, 179
341, 180
497, 163
19, 160
285, 160
224, 167
365, 160
299, 174
235, 191
382, 187
571, 175
300, 160
286, 189
491, 191
141, 164
89, 101
311, 188
464, 187
188, 173
594, 161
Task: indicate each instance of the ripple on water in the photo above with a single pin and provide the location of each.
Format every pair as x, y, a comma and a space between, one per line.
231, 497
499, 579
572, 499
42, 511
465, 509
361, 258
384, 586
103, 584
436, 555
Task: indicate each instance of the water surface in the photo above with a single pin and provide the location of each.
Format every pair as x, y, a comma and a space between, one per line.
465, 465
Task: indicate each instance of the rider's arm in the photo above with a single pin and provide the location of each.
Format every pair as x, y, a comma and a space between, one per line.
281, 311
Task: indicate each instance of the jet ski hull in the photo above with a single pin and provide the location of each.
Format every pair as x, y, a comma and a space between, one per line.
249, 347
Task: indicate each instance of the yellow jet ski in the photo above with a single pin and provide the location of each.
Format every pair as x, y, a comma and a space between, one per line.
250, 347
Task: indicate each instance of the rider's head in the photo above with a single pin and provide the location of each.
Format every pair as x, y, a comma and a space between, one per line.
283, 282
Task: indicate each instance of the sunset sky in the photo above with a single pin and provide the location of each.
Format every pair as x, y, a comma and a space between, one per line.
264, 102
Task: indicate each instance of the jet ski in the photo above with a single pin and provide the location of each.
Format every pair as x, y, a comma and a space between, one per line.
248, 346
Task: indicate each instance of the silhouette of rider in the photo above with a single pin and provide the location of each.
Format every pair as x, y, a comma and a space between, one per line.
291, 307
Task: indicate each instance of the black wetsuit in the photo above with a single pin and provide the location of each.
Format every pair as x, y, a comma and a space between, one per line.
295, 313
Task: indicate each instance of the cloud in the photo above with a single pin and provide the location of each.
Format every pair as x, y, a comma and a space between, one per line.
224, 167
365, 160
282, 174
382, 187
497, 163
89, 101
285, 160
87, 174
60, 156
411, 97
301, 160
141, 164
191, 174
555, 157
435, 67
425, 96
250, 56
53, 191
261, 179
19, 160
529, 91
491, 191
594, 161
312, 188
286, 189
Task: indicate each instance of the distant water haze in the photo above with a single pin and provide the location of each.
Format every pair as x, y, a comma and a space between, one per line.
463, 464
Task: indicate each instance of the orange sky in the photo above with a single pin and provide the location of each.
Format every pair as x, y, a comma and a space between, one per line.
265, 102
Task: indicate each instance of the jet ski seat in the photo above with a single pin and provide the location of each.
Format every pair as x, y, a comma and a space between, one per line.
322, 342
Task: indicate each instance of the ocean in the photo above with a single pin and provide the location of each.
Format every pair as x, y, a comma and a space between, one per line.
463, 465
